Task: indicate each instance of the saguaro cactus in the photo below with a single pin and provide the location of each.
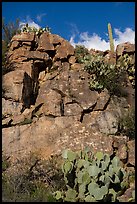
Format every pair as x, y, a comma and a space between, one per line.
110, 38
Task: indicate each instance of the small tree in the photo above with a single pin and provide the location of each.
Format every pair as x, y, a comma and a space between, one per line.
8, 31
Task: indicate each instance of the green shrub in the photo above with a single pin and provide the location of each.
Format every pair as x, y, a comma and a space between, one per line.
127, 123
35, 182
113, 77
91, 177
21, 189
5, 163
125, 62
104, 75
80, 53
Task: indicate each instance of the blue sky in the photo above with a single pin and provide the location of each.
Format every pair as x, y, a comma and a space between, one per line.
78, 22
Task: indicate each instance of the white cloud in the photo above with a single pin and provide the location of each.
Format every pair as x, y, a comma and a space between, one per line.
96, 42
40, 16
30, 22
128, 35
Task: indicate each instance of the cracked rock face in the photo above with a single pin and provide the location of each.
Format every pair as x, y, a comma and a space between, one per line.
48, 106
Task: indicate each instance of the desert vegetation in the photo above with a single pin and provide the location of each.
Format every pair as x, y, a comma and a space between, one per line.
71, 177
80, 176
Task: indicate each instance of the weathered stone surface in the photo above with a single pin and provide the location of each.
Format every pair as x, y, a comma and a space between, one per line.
64, 50
72, 59
130, 95
131, 152
118, 105
36, 55
94, 52
9, 107
77, 66
44, 43
24, 66
17, 119
24, 37
127, 195
51, 100
13, 84
28, 44
122, 152
102, 100
79, 89
60, 80
6, 122
57, 65
21, 52
125, 48
41, 76
14, 45
55, 39
42, 135
103, 121
107, 122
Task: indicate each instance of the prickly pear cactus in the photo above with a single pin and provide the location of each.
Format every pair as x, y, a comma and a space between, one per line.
126, 63
91, 177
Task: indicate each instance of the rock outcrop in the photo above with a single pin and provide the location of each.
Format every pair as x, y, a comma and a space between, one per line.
47, 104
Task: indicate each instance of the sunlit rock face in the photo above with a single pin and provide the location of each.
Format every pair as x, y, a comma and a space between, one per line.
48, 106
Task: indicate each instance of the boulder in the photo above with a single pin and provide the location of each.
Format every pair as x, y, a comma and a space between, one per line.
79, 89
125, 48
64, 50
72, 59
55, 39
51, 102
44, 43
13, 84
14, 45
24, 37
131, 152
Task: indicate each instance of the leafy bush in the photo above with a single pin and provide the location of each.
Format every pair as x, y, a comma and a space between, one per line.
36, 182
5, 163
8, 31
80, 53
21, 189
127, 123
91, 177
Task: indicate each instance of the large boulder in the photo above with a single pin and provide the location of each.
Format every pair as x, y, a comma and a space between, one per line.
24, 37
123, 48
45, 43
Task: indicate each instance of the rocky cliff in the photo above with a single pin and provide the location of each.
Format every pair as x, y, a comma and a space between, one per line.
47, 105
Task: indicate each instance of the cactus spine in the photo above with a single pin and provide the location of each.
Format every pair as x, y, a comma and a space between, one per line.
110, 38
